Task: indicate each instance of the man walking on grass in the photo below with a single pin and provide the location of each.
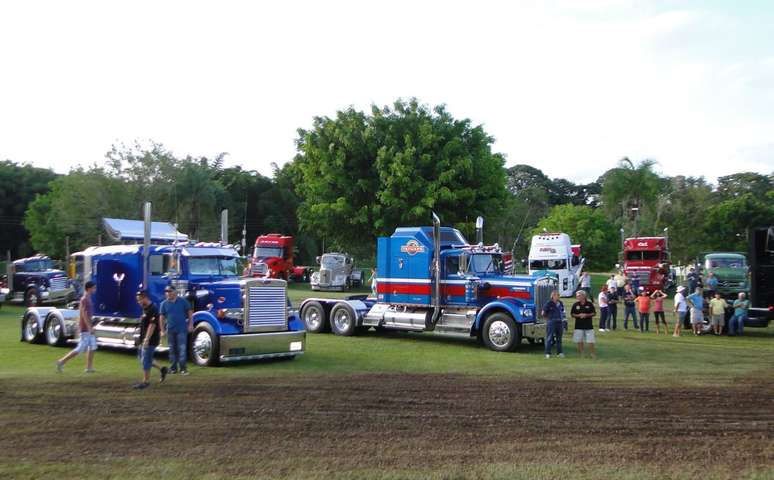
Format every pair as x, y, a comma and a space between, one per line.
150, 333
583, 311
87, 343
177, 317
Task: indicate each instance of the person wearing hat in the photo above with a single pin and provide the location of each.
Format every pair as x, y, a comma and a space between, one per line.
177, 317
681, 309
150, 333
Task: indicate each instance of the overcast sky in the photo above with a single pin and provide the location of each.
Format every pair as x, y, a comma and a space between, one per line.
567, 86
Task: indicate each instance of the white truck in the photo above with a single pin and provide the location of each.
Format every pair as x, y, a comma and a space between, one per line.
554, 254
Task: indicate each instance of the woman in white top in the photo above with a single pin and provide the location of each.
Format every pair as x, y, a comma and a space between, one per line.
604, 311
681, 309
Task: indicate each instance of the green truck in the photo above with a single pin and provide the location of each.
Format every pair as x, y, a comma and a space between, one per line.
730, 269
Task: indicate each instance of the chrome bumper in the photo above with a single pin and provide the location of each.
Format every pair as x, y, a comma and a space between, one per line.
254, 346
533, 330
53, 296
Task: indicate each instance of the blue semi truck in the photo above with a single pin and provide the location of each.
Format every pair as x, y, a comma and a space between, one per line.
234, 318
432, 279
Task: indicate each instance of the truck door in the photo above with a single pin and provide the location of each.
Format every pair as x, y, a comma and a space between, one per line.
452, 282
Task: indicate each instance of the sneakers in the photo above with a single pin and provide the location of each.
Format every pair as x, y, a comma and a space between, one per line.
164, 371
89, 370
183, 372
602, 330
561, 355
141, 386
59, 366
548, 356
172, 371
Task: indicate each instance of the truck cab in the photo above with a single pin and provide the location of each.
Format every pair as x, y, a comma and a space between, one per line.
731, 270
430, 279
234, 318
647, 259
554, 254
35, 281
337, 273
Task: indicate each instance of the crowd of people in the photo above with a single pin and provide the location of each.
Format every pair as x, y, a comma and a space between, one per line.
174, 319
638, 305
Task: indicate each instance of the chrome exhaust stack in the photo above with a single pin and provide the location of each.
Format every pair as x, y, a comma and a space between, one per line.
224, 227
480, 231
436, 272
146, 243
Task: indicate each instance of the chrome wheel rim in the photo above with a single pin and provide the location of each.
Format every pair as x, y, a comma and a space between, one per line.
499, 334
312, 318
30, 328
202, 347
342, 320
53, 331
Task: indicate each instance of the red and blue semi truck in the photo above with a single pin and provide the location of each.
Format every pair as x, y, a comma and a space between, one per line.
432, 279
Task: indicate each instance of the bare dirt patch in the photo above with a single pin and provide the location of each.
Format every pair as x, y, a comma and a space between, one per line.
400, 422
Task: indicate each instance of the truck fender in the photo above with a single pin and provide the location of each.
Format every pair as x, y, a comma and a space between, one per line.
68, 317
39, 313
209, 318
357, 307
511, 306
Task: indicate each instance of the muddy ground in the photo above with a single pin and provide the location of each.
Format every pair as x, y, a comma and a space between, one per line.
430, 423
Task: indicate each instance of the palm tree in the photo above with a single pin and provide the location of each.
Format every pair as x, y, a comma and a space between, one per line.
632, 187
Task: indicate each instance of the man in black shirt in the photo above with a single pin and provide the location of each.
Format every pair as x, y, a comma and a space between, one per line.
149, 339
583, 311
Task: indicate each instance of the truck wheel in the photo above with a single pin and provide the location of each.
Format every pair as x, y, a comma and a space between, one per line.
501, 333
55, 333
205, 347
32, 331
342, 320
313, 314
31, 298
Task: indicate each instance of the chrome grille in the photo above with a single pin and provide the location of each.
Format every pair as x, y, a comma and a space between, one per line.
643, 276
325, 277
266, 307
543, 289
260, 268
58, 283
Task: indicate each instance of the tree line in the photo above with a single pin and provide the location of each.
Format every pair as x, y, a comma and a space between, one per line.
359, 174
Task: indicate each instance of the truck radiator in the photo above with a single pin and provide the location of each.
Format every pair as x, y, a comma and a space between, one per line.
266, 307
325, 277
58, 284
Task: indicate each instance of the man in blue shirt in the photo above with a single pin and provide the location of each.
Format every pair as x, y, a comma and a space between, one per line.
553, 312
696, 303
177, 317
741, 306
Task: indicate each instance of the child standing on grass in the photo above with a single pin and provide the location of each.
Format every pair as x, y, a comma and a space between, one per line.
643, 306
658, 310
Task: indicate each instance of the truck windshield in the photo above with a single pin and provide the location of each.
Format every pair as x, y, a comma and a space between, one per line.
486, 263
220, 266
725, 263
35, 266
262, 252
554, 264
640, 255
332, 261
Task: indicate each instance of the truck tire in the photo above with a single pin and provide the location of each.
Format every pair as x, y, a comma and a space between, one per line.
32, 331
313, 315
31, 298
343, 320
55, 332
501, 333
205, 346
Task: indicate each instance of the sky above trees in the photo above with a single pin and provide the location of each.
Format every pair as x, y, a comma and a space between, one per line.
567, 86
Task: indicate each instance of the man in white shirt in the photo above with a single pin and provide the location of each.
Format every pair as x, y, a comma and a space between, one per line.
612, 285
681, 309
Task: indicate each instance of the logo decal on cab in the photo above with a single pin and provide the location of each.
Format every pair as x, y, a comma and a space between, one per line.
412, 247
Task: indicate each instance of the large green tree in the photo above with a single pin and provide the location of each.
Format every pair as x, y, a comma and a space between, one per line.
629, 191
20, 185
360, 175
587, 226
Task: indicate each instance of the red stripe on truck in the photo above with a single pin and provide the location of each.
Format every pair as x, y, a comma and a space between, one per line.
403, 288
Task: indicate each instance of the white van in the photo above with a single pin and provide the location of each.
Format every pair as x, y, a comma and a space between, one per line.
553, 253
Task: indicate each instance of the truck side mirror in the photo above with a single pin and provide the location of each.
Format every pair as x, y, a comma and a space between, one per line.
317, 259
463, 263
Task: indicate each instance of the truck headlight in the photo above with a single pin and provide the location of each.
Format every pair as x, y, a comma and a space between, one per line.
235, 313
526, 312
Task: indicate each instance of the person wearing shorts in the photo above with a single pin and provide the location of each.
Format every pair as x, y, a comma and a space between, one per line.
87, 343
696, 303
583, 311
681, 309
150, 333
658, 310
717, 312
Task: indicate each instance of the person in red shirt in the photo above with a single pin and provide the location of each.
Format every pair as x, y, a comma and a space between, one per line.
658, 310
643, 306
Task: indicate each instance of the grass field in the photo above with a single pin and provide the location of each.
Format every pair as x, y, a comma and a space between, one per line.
399, 405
